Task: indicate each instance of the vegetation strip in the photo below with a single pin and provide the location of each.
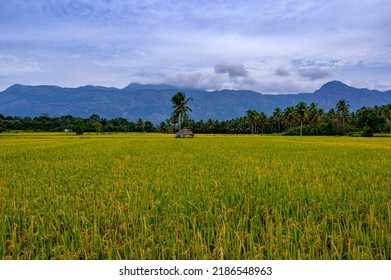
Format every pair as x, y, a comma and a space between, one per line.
301, 119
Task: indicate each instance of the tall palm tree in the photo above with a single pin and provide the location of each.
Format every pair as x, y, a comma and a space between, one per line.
251, 119
301, 114
386, 113
342, 111
315, 114
277, 117
288, 116
179, 103
262, 120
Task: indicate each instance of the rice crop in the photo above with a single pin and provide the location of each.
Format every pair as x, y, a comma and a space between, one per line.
150, 196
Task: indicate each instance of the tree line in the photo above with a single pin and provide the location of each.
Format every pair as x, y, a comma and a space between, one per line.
301, 119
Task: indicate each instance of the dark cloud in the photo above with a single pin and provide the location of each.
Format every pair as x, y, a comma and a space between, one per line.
281, 72
313, 73
234, 70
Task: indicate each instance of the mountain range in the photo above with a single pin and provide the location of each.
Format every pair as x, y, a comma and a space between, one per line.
153, 102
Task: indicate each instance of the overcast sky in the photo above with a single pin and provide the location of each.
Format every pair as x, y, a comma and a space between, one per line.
270, 46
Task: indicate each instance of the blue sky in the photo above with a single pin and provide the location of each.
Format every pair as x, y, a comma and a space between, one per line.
269, 46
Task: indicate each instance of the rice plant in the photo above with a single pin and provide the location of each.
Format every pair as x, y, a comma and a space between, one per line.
137, 196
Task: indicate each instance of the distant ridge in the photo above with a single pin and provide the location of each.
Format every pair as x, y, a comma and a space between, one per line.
136, 86
152, 102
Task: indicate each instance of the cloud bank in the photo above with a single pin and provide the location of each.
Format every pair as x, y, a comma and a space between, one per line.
267, 46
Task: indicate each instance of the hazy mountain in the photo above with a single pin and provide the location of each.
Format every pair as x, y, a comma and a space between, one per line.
152, 102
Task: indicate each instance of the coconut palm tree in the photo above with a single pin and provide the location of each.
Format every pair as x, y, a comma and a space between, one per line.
386, 113
277, 117
301, 114
251, 119
262, 120
315, 114
179, 103
342, 111
288, 116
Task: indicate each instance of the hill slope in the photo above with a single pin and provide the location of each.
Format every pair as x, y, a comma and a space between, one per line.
152, 102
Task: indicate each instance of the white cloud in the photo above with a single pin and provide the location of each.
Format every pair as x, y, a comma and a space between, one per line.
11, 65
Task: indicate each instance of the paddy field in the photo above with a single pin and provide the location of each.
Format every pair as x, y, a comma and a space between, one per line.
150, 196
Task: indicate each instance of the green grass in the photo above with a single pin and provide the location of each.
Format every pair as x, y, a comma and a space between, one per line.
136, 196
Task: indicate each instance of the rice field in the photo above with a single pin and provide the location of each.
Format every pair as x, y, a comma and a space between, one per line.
136, 196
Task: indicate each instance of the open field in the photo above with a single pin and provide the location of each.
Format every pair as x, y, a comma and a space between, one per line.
136, 196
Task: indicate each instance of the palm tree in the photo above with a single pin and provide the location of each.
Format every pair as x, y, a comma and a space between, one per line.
288, 116
1, 124
179, 103
210, 125
251, 119
301, 114
140, 125
342, 111
262, 120
315, 114
277, 117
386, 113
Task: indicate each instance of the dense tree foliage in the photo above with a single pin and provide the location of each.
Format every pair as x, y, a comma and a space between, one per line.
302, 119
75, 124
